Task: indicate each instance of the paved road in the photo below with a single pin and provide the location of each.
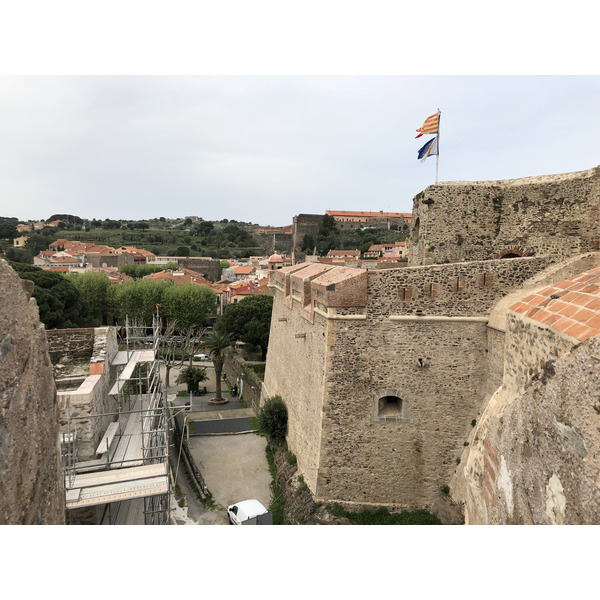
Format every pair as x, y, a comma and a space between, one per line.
234, 465
221, 426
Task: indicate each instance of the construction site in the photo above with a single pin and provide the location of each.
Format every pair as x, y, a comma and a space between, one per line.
115, 434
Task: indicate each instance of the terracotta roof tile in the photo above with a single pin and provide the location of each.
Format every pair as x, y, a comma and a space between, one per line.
576, 310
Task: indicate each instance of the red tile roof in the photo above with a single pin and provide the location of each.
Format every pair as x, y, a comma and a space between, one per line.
343, 253
362, 213
179, 277
571, 307
243, 270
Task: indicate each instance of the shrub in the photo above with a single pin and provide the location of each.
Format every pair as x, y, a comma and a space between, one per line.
273, 418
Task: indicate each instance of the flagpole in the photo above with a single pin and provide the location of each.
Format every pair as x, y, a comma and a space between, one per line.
437, 158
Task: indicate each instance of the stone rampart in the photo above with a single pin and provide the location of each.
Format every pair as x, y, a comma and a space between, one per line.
533, 456
457, 289
381, 398
304, 225
31, 484
548, 215
71, 344
209, 267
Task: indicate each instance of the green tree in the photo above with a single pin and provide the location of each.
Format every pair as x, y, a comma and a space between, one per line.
192, 377
60, 303
218, 342
8, 227
138, 299
94, 288
273, 419
308, 243
188, 305
111, 224
328, 236
38, 242
139, 271
250, 320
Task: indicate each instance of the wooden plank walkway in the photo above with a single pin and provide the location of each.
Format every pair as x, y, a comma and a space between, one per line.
130, 443
89, 489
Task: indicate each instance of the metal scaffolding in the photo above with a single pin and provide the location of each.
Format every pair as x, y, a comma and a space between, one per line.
132, 458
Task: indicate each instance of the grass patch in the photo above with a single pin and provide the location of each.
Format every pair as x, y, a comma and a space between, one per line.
255, 424
382, 516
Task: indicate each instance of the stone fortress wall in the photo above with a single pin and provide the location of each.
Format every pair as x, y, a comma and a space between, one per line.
553, 215
349, 354
304, 225
31, 485
387, 374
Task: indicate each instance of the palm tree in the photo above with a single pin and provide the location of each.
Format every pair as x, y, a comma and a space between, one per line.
192, 377
217, 342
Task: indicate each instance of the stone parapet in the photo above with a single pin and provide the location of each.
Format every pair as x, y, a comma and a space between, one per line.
552, 214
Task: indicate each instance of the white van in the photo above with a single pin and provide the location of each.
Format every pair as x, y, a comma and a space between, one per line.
247, 512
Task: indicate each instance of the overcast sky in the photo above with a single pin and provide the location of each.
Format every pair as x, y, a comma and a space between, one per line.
263, 149
87, 128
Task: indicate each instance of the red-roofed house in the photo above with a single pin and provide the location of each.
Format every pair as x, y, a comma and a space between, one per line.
179, 277
239, 291
354, 254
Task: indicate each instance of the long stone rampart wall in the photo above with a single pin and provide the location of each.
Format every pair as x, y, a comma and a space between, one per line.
457, 289
547, 215
295, 370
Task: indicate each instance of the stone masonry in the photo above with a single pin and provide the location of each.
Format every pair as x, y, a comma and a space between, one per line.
31, 485
402, 382
554, 215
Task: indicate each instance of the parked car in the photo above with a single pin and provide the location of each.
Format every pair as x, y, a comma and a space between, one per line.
245, 511
202, 357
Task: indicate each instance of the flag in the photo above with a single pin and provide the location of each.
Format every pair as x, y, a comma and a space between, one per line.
429, 149
431, 125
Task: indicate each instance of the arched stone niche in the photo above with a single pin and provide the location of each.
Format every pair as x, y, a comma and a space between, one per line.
390, 405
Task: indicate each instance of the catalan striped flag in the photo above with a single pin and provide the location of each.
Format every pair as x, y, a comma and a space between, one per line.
431, 125
429, 149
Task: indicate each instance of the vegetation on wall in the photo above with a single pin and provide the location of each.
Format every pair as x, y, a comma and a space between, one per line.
382, 516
